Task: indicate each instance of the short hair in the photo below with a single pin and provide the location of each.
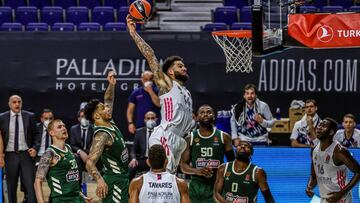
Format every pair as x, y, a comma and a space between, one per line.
81, 111
333, 124
205, 105
250, 86
90, 108
169, 61
311, 101
157, 156
350, 115
52, 123
46, 110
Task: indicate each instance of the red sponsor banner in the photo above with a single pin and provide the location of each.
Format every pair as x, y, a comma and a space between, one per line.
321, 30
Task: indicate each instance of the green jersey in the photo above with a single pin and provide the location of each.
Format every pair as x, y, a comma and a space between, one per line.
205, 152
240, 187
115, 159
63, 177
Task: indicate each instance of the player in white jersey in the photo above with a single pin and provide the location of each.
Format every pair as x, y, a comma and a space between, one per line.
329, 167
175, 100
158, 185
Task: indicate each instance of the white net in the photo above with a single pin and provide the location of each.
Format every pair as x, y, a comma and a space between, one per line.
237, 52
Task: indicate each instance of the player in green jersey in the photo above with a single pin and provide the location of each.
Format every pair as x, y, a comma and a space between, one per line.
109, 146
204, 153
240, 180
59, 166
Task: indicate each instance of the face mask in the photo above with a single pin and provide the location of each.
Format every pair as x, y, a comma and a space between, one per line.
46, 123
84, 122
150, 124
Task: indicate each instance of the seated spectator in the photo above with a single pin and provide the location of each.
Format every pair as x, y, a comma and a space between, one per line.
349, 136
250, 118
303, 133
140, 148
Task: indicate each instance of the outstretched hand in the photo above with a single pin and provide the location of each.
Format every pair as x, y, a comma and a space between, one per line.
130, 23
111, 78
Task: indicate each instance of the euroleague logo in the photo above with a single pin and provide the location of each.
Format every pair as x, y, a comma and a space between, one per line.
325, 33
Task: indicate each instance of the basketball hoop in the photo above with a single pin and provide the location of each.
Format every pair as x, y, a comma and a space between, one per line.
236, 45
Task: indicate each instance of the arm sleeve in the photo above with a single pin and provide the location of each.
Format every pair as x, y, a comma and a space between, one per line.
294, 134
233, 125
132, 97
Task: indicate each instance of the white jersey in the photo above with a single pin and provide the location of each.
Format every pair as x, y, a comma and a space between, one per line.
176, 109
330, 178
354, 141
159, 188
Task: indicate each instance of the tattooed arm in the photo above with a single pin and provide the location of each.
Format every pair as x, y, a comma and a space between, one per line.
110, 91
43, 168
163, 81
101, 139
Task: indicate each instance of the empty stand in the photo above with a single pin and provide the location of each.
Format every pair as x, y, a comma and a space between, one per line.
37, 27
65, 3
25, 15
118, 26
5, 15
89, 27
240, 26
63, 27
214, 27
77, 15
89, 3
11, 27
39, 3
226, 14
103, 15
51, 15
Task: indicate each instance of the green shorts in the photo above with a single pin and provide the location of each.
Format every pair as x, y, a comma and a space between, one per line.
76, 199
200, 191
118, 186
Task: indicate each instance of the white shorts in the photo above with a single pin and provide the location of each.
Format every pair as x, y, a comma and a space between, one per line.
173, 144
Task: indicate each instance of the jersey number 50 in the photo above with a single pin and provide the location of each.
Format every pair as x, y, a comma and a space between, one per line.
206, 151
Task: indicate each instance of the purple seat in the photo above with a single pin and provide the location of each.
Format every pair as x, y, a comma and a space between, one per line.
237, 3
11, 27
150, 1
103, 15
63, 27
112, 26
26, 15
14, 3
115, 3
5, 15
37, 27
308, 9
77, 15
51, 15
89, 3
319, 3
344, 3
122, 13
226, 14
89, 27
39, 3
65, 3
355, 9
332, 9
246, 14
214, 27
241, 26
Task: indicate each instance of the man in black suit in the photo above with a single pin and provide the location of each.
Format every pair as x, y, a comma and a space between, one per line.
21, 142
46, 117
140, 148
81, 136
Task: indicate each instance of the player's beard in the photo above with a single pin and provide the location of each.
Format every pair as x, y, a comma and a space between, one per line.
243, 157
182, 78
208, 124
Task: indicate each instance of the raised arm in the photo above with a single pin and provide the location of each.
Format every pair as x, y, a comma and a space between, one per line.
41, 173
260, 176
110, 91
163, 82
219, 184
100, 140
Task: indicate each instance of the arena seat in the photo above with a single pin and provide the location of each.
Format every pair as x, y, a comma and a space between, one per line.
25, 15
115, 3
241, 26
308, 9
39, 3
5, 15
344, 3
246, 14
214, 27
122, 13
90, 4
63, 27
355, 9
77, 15
14, 3
89, 27
332, 9
51, 15
226, 14
65, 3
115, 26
103, 15
11, 27
37, 27
237, 3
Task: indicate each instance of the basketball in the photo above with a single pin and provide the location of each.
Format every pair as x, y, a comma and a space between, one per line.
140, 10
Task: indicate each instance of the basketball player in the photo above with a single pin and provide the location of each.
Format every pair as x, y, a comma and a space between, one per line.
108, 144
158, 185
205, 150
58, 165
240, 180
175, 100
329, 167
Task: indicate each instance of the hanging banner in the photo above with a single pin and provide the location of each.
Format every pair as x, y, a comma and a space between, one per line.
323, 30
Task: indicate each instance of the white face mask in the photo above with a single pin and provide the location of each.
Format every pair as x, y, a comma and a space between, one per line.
84, 122
150, 124
46, 123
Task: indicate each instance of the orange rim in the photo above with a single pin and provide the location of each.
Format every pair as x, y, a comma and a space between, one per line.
233, 33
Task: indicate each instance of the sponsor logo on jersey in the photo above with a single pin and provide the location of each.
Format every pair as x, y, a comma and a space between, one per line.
247, 177
216, 139
124, 155
197, 140
327, 159
72, 175
230, 197
210, 163
160, 196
